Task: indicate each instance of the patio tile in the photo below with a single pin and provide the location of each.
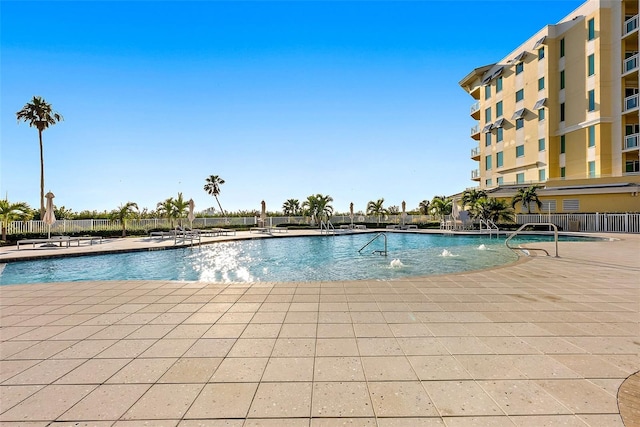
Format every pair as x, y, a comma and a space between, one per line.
223, 400
19, 350
335, 330
301, 317
439, 367
45, 372
341, 399
11, 395
289, 369
106, 402
410, 422
580, 396
590, 366
269, 317
277, 422
460, 398
94, 371
490, 366
127, 349
542, 367
388, 368
252, 347
479, 422
240, 369
372, 330
338, 369
379, 347
294, 347
214, 347
401, 399
521, 397
191, 370
164, 401
186, 331
48, 403
298, 330
142, 371
287, 399
261, 330
9, 368
410, 330
336, 347
228, 330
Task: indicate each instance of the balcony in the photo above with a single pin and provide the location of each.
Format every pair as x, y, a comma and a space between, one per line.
475, 110
475, 175
630, 25
630, 64
631, 142
475, 132
475, 153
630, 103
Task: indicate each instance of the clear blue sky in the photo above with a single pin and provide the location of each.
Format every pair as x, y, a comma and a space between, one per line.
357, 100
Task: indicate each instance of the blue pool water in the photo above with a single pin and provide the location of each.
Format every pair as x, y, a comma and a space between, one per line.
291, 259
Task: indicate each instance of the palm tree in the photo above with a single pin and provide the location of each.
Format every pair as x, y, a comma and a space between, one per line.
494, 209
40, 115
291, 207
441, 206
13, 212
180, 206
471, 197
318, 207
423, 207
526, 196
124, 212
376, 208
212, 187
167, 209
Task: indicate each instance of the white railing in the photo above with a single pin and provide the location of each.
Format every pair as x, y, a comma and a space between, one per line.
475, 130
630, 64
475, 152
595, 222
475, 107
475, 174
630, 25
631, 102
631, 141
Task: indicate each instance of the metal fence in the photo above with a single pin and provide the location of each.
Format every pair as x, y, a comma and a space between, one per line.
596, 222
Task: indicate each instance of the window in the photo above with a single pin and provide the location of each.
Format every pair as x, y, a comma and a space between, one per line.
541, 144
520, 95
519, 67
570, 205
487, 115
519, 150
563, 172
563, 145
562, 79
592, 136
499, 159
592, 28
519, 123
541, 114
500, 180
487, 183
561, 48
541, 83
562, 112
591, 61
592, 169
520, 178
499, 135
487, 92
540, 53
487, 139
499, 109
499, 84
592, 100
487, 162
542, 175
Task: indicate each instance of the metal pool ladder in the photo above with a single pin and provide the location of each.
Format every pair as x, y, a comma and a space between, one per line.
513, 248
379, 252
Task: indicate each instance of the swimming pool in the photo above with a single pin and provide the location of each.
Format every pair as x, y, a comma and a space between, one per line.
291, 259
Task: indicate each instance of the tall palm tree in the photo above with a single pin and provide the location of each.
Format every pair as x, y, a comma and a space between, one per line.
376, 208
318, 207
180, 206
471, 197
212, 187
527, 196
13, 212
167, 209
494, 209
39, 114
291, 207
423, 207
124, 212
441, 206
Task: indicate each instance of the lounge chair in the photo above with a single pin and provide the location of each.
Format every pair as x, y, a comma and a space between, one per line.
56, 239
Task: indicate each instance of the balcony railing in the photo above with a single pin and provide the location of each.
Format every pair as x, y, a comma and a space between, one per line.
630, 25
475, 174
475, 107
475, 130
630, 64
631, 141
475, 152
631, 102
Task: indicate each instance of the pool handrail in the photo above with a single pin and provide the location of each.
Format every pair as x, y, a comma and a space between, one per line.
555, 235
371, 241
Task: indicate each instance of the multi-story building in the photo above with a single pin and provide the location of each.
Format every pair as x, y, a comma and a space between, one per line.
562, 112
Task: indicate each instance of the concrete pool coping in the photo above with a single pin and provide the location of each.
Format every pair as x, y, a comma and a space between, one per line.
543, 342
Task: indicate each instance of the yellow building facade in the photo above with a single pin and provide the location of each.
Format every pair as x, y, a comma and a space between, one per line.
561, 112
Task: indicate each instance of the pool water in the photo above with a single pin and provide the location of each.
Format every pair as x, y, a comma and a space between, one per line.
291, 259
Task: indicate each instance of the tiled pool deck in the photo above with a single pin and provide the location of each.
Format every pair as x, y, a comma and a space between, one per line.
542, 342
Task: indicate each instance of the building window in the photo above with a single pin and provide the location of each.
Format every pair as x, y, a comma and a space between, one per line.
570, 205
487, 162
592, 136
487, 139
562, 79
499, 159
487, 115
592, 169
541, 83
592, 29
520, 95
519, 123
541, 144
520, 151
499, 84
592, 100
499, 135
520, 178
487, 92
561, 48
562, 112
563, 172
591, 61
519, 67
562, 145
541, 114
540, 53
500, 180
542, 175
487, 183
498, 109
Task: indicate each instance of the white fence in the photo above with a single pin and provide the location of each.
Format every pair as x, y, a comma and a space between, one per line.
597, 222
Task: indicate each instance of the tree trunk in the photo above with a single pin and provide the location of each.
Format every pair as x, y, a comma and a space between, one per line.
41, 175
4, 232
220, 206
